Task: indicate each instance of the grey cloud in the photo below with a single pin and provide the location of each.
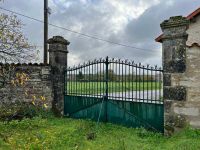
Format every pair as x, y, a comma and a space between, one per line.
96, 22
146, 27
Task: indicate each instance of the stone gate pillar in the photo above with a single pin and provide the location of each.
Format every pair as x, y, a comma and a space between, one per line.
58, 61
174, 64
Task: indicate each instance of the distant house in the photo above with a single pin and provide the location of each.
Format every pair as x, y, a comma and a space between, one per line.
193, 31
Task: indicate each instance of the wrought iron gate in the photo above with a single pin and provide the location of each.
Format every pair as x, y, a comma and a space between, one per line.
117, 91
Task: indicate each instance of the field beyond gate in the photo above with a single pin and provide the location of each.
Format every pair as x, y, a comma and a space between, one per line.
115, 91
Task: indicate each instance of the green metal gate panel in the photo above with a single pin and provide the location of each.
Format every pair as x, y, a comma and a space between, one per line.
127, 113
136, 114
116, 91
84, 107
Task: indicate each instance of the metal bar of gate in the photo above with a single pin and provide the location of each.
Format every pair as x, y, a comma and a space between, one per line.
106, 94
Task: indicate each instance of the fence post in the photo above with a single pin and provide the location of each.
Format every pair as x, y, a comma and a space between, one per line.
58, 61
106, 97
174, 64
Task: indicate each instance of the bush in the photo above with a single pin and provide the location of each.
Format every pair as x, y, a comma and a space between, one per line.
18, 111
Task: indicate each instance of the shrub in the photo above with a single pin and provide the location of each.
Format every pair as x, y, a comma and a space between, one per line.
18, 111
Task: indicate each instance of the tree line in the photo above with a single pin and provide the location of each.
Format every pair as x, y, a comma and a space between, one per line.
113, 77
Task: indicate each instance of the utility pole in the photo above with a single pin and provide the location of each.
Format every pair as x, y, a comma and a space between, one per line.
45, 30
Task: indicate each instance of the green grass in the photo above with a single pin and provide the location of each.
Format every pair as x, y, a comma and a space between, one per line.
70, 134
95, 87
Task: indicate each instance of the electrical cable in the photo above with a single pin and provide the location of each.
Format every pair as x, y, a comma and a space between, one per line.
82, 34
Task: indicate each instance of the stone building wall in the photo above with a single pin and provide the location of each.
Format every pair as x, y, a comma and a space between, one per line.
181, 74
194, 31
190, 79
39, 84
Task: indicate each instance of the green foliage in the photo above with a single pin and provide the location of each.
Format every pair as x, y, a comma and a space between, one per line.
63, 133
18, 111
112, 76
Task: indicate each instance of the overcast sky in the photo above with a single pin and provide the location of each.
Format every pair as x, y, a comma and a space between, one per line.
130, 22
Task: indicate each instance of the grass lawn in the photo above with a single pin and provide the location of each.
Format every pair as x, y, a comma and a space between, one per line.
70, 134
99, 87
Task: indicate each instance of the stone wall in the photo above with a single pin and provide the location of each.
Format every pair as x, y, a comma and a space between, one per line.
44, 80
181, 76
38, 84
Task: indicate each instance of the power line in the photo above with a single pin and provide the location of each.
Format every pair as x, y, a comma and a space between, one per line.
82, 34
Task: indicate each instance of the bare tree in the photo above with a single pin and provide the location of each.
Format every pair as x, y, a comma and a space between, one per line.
14, 46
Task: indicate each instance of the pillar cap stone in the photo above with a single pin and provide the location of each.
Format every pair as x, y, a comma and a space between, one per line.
174, 21
59, 40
